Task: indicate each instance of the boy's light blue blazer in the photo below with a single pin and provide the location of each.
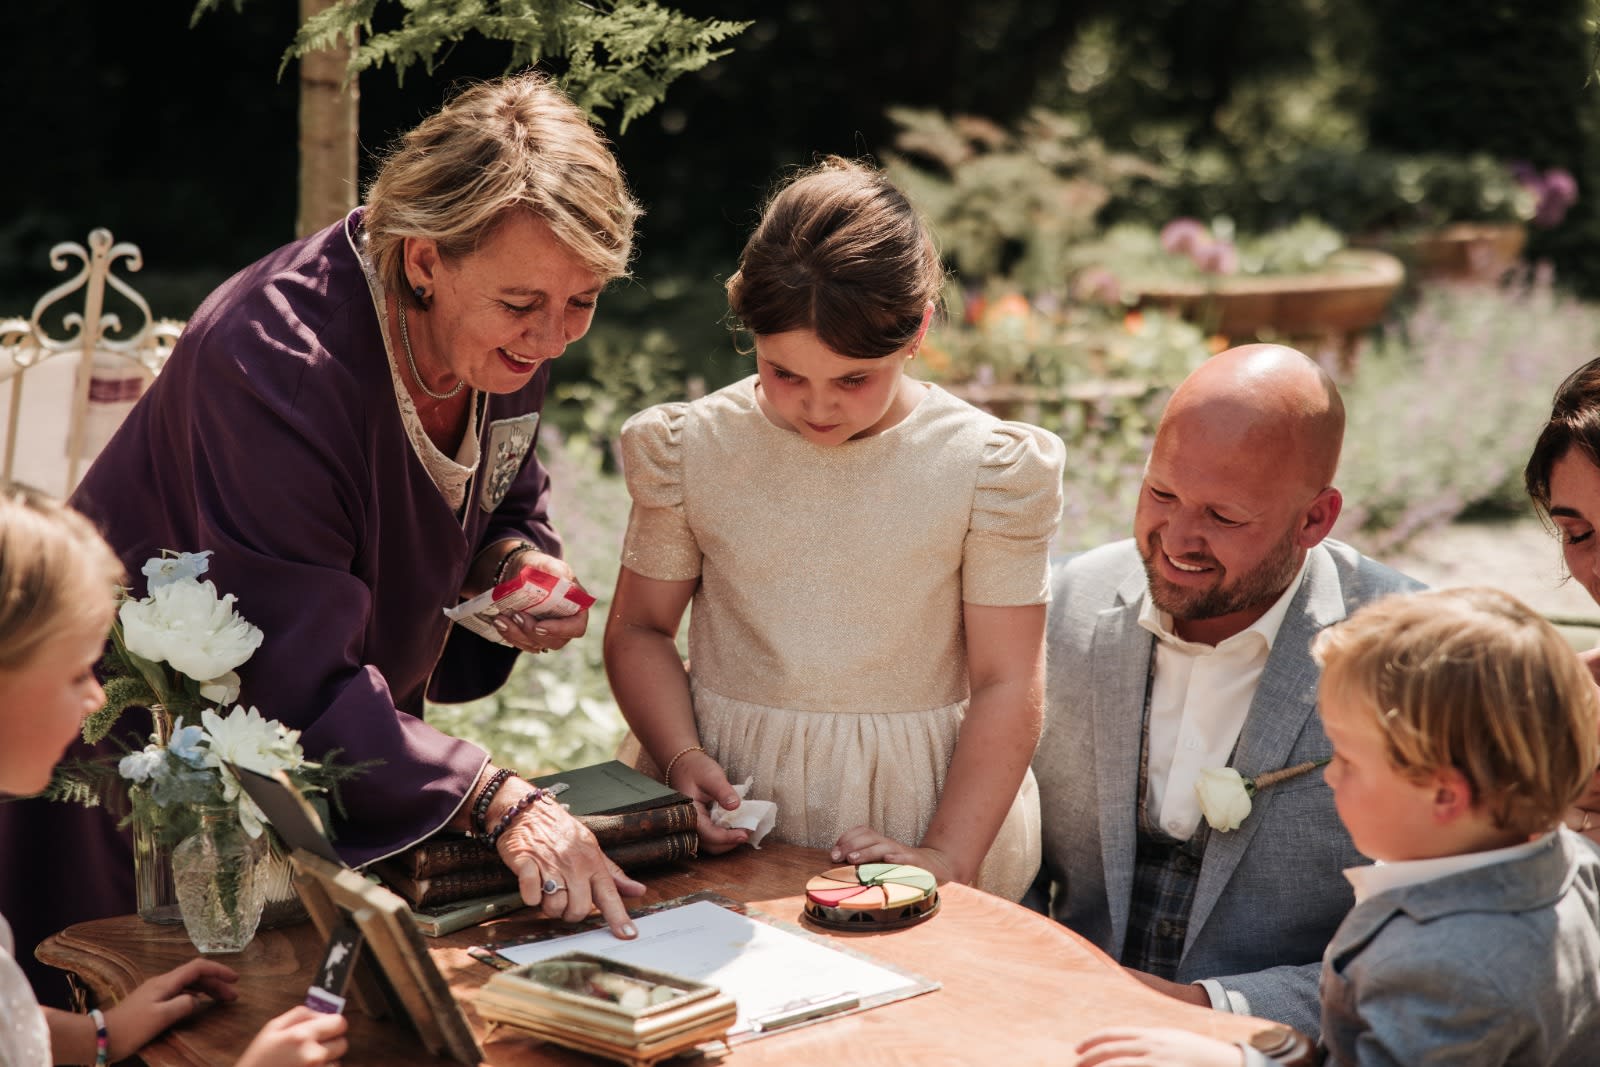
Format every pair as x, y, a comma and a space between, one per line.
1272, 892
1495, 965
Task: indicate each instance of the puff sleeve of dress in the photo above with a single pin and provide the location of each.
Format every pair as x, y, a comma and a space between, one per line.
660, 543
1016, 507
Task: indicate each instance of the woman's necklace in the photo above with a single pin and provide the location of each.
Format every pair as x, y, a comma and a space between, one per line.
411, 361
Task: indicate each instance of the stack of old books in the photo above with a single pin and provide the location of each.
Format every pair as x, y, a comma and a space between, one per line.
638, 822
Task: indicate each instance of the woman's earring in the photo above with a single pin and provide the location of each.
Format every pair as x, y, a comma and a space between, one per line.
422, 296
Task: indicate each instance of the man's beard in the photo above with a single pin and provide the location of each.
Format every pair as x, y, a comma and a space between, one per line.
1256, 588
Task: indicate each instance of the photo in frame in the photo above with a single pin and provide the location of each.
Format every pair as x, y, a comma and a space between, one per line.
395, 974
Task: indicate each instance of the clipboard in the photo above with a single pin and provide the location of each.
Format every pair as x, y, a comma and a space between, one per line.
395, 976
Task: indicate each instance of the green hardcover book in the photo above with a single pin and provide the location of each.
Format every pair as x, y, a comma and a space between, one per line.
611, 788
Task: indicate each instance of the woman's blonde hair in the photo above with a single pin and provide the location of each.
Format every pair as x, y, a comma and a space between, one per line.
839, 251
497, 147
56, 572
1476, 680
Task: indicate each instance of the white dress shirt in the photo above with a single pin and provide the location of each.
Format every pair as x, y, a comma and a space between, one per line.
1200, 696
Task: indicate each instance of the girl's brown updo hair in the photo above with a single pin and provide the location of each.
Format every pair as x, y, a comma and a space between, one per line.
839, 251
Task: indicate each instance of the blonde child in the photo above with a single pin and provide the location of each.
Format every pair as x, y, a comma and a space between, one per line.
56, 580
865, 553
1462, 728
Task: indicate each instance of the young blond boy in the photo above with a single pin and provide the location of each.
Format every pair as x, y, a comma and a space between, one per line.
1462, 727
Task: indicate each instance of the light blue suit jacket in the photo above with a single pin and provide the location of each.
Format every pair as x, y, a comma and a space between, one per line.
1272, 892
1496, 965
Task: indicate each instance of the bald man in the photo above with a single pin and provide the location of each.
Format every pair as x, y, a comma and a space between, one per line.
1188, 647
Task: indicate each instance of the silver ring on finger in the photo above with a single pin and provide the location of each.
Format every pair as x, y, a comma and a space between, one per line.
550, 885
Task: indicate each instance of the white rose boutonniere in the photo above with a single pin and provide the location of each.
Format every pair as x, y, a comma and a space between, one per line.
1225, 794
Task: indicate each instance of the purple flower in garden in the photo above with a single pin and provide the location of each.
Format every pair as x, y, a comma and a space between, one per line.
1097, 285
1556, 190
1184, 237
1219, 257
1559, 192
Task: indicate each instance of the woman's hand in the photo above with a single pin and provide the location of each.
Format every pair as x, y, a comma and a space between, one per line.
300, 1037
701, 779
863, 844
164, 1000
547, 634
546, 845
1584, 816
1150, 1046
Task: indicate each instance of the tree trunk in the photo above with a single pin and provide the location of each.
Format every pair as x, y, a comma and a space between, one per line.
329, 119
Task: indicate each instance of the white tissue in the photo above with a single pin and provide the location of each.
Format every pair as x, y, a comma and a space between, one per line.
757, 816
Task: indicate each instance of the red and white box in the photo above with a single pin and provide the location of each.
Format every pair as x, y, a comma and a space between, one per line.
530, 591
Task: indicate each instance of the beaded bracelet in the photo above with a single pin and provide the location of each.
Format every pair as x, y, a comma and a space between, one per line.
505, 561
480, 807
527, 801
666, 778
102, 1040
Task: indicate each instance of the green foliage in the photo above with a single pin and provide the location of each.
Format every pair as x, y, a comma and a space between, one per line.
122, 691
1520, 95
557, 711
616, 54
1134, 253
1008, 203
628, 371
1091, 351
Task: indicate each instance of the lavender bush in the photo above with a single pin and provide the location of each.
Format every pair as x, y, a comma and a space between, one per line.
1444, 409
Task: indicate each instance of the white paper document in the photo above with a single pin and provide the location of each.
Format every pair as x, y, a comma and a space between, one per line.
768, 971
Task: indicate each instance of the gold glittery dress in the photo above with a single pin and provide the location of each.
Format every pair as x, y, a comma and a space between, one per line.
825, 638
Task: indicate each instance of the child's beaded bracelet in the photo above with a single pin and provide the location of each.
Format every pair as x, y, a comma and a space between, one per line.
102, 1040
526, 801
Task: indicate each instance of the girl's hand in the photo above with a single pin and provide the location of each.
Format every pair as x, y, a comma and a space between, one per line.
863, 844
543, 635
701, 779
546, 844
299, 1037
1156, 1047
164, 1000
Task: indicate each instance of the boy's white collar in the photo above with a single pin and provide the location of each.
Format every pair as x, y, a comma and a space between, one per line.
1381, 877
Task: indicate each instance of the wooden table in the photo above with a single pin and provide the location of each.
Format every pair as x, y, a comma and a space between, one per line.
1018, 988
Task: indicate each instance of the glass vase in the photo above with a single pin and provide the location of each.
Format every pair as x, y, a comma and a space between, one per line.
219, 893
156, 899
280, 901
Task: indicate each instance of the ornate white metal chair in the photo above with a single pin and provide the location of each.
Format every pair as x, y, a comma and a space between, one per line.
70, 408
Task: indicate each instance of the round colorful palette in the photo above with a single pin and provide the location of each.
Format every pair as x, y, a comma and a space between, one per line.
871, 896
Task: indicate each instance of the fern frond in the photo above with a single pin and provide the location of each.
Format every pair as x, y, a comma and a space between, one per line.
615, 53
90, 782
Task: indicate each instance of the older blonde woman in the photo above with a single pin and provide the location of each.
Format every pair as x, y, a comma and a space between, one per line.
348, 424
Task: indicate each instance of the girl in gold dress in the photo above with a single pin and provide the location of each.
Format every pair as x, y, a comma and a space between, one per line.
866, 555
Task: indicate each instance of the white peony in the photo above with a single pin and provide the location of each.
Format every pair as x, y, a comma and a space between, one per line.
185, 624
246, 739
1224, 796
